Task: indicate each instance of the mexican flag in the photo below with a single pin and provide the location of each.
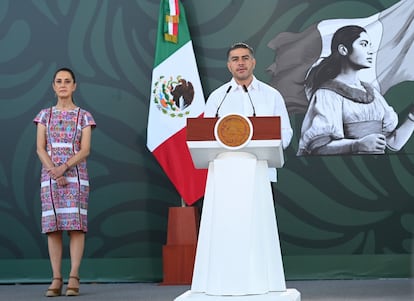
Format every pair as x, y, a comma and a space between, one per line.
176, 94
392, 35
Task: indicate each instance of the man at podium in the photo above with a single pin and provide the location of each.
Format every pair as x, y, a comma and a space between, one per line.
238, 251
244, 94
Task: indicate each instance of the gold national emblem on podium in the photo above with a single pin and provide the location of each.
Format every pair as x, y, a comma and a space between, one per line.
233, 131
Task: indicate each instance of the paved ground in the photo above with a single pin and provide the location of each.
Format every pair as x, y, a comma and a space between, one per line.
317, 290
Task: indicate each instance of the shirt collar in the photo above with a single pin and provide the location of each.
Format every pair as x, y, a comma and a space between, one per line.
254, 85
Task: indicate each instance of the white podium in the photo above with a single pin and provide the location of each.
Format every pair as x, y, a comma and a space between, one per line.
238, 253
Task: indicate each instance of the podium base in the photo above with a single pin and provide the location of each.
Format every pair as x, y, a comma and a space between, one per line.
288, 295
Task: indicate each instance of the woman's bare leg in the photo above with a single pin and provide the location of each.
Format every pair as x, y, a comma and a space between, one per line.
55, 247
77, 245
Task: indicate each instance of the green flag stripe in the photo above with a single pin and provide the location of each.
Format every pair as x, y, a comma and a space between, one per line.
163, 48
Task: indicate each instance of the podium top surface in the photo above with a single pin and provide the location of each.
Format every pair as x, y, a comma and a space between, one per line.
265, 142
264, 128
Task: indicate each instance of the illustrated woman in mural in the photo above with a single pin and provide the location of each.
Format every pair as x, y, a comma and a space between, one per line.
63, 143
346, 115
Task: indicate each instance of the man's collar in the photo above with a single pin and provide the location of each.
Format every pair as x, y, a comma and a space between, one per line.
253, 85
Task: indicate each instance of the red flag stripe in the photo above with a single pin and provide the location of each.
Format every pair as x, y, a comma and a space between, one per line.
175, 159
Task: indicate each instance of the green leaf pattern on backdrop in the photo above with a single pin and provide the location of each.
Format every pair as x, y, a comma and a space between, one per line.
130, 194
325, 205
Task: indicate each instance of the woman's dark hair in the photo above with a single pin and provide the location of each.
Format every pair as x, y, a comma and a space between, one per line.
67, 70
330, 66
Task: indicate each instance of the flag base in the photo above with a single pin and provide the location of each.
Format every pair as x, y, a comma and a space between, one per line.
179, 253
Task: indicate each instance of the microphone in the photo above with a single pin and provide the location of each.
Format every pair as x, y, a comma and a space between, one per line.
225, 95
251, 102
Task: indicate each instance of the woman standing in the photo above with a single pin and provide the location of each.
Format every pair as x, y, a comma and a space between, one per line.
63, 143
346, 115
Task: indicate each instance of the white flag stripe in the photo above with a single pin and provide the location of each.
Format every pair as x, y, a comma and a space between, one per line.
162, 126
173, 12
396, 53
173, 9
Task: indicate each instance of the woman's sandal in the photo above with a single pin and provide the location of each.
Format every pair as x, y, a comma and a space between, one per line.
55, 292
73, 291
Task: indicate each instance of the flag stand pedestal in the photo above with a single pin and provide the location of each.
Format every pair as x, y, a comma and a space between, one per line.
178, 254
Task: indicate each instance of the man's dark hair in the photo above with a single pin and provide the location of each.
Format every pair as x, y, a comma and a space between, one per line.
240, 45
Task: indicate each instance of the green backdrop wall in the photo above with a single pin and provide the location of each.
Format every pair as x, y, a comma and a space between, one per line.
338, 217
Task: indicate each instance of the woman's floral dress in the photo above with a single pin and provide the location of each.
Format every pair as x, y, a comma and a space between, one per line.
64, 207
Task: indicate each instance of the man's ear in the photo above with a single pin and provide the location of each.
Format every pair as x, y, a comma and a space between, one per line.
228, 66
342, 49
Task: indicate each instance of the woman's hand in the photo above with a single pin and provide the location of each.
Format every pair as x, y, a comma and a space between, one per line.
370, 144
61, 181
57, 171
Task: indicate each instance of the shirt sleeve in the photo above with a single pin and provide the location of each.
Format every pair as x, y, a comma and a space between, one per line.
390, 119
87, 120
41, 117
322, 122
286, 128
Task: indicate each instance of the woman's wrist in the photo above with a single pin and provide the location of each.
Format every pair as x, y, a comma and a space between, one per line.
66, 165
411, 116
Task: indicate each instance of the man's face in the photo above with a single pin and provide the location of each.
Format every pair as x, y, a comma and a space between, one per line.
241, 65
